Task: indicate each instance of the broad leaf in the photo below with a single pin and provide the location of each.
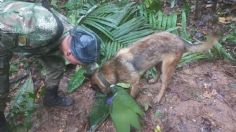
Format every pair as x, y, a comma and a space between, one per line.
76, 80
124, 85
125, 111
100, 111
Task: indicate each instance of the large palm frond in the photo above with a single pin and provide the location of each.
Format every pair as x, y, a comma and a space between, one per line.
114, 23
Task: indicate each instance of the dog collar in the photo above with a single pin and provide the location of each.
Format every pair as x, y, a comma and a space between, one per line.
104, 81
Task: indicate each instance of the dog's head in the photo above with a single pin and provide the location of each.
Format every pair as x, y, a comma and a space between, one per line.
98, 80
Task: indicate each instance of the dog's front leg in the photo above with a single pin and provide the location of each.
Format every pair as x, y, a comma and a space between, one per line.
134, 90
134, 82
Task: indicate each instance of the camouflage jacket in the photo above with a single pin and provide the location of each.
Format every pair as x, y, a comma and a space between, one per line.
25, 25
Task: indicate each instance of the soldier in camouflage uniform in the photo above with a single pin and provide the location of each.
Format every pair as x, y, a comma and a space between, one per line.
30, 29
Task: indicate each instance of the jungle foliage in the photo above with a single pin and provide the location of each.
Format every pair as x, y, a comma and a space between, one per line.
121, 23
118, 24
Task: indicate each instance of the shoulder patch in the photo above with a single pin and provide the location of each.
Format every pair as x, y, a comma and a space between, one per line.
22, 40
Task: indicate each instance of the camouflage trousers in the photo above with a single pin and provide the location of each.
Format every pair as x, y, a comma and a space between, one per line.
54, 65
5, 57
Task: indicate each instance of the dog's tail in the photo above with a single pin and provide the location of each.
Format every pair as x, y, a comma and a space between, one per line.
204, 46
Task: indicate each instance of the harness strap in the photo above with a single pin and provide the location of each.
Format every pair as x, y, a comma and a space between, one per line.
104, 81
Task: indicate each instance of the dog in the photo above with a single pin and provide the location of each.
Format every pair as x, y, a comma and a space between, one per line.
129, 64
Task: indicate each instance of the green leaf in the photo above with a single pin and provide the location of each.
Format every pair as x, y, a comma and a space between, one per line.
99, 27
230, 38
100, 111
184, 33
124, 85
103, 21
169, 22
76, 80
125, 111
159, 19
134, 35
174, 23
128, 12
219, 51
151, 73
174, 20
164, 22
106, 9
189, 57
124, 118
127, 27
54, 3
108, 49
187, 7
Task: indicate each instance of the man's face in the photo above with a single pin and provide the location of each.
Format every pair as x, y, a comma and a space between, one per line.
65, 48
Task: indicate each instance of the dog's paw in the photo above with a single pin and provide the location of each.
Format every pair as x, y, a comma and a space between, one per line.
145, 99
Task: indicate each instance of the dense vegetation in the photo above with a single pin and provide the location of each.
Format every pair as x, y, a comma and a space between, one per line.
118, 24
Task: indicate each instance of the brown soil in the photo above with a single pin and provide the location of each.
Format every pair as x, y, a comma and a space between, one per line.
200, 98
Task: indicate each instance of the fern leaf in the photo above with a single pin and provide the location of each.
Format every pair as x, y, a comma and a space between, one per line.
160, 18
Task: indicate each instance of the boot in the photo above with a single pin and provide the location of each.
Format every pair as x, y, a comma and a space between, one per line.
51, 98
3, 123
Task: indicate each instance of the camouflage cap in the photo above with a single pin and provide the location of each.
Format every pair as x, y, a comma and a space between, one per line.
85, 46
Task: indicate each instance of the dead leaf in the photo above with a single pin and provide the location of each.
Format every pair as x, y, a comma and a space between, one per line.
208, 94
227, 19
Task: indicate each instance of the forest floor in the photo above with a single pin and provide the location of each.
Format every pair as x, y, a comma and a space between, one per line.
200, 98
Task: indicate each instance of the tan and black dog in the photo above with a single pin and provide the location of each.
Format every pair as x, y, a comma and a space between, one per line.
130, 63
